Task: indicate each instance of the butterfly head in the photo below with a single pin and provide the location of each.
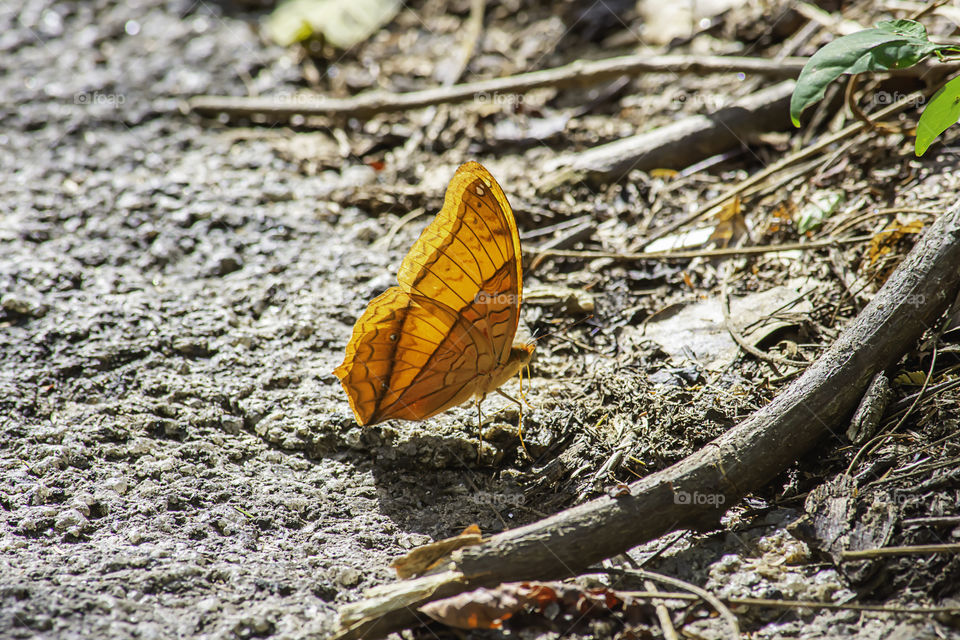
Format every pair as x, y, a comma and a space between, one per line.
520, 356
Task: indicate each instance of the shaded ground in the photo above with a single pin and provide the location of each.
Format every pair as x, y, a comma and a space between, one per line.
178, 460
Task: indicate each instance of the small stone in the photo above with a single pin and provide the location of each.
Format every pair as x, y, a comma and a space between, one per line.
348, 576
22, 305
223, 263
70, 519
231, 424
192, 347
357, 175
117, 484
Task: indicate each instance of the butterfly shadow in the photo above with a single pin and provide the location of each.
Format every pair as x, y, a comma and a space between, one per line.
434, 484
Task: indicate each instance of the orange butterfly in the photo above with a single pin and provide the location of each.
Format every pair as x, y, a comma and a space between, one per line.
445, 335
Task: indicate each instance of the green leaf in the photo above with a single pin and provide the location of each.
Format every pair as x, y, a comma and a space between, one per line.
821, 206
904, 28
895, 44
941, 112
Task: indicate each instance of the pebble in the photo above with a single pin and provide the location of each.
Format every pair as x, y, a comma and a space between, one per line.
21, 305
347, 576
69, 519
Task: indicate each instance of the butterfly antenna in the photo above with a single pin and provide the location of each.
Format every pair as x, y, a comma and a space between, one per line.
561, 329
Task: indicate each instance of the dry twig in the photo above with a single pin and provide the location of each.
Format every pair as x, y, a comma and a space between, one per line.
920, 549
727, 252
280, 109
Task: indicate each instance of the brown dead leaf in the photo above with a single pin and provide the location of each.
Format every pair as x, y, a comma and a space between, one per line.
424, 558
886, 241
478, 609
547, 601
730, 223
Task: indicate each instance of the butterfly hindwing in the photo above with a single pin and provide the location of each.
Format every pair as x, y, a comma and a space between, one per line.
426, 345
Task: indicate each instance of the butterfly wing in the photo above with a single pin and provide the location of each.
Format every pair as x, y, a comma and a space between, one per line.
468, 258
410, 357
423, 347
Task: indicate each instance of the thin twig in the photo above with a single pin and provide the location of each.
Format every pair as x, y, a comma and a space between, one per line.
708, 597
919, 13
706, 253
839, 26
579, 73
916, 550
385, 241
792, 604
663, 614
883, 212
934, 521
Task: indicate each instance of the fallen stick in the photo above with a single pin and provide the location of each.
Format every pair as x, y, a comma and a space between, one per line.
678, 144
791, 604
701, 253
694, 492
580, 73
920, 549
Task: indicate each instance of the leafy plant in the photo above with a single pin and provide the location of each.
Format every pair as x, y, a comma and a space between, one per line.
892, 44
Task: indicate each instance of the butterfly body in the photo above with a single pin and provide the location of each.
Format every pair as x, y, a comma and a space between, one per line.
445, 334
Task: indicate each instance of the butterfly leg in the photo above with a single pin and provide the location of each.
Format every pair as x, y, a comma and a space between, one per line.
479, 431
519, 422
523, 394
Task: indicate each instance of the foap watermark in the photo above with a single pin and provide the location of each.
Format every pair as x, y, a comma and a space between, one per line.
686, 497
884, 98
299, 99
915, 299
484, 297
498, 501
701, 101
99, 98
497, 98
901, 497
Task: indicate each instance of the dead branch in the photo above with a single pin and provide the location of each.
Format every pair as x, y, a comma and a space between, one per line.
916, 550
794, 604
280, 109
726, 252
681, 143
694, 492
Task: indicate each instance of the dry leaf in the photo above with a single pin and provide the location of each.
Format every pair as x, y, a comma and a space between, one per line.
424, 558
479, 609
549, 601
884, 242
730, 223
